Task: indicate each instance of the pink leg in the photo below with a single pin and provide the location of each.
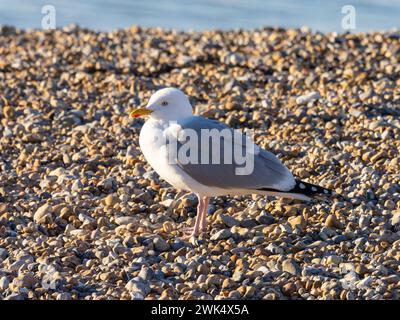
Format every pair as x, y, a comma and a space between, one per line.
199, 218
195, 231
203, 226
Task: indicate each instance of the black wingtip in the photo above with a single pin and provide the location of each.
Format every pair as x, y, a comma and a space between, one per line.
310, 190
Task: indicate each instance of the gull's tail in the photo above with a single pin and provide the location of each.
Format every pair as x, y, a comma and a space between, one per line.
302, 191
310, 190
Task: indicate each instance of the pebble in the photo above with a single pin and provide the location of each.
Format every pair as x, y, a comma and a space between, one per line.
160, 244
15, 296
229, 221
125, 220
288, 289
304, 99
298, 222
248, 223
291, 267
395, 218
111, 200
334, 259
265, 219
136, 286
4, 282
64, 296
43, 214
25, 280
333, 222
77, 185
8, 112
364, 283
237, 276
146, 273
222, 234
3, 253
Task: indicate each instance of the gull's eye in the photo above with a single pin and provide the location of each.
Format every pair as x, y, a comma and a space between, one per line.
164, 103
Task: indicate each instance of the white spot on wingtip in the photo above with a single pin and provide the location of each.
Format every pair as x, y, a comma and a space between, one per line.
302, 186
326, 191
314, 189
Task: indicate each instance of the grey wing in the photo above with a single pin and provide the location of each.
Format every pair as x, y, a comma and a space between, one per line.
264, 169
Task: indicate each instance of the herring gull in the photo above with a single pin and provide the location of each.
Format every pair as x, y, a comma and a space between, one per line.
171, 125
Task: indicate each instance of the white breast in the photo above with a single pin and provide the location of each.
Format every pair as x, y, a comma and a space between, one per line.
152, 143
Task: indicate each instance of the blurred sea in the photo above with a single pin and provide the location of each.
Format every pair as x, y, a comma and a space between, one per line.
321, 15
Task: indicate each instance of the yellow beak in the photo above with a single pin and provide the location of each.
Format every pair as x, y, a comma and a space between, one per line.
140, 112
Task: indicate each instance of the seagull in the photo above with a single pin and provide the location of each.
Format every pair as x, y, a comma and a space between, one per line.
170, 117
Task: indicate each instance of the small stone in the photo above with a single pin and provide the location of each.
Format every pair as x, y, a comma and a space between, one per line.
234, 295
4, 283
395, 218
339, 238
298, 222
237, 276
106, 184
25, 281
63, 296
213, 279
111, 200
291, 267
334, 259
8, 112
361, 269
167, 294
263, 269
151, 175
332, 222
234, 59
43, 214
250, 290
229, 221
128, 242
65, 213
124, 220
248, 223
364, 221
355, 113
138, 286
77, 185
190, 200
288, 289
66, 159
389, 204
364, 283
221, 235
304, 99
167, 202
3, 253
365, 95
350, 296
160, 244
229, 86
15, 296
167, 226
274, 248
15, 266
146, 273
226, 283
265, 219
394, 278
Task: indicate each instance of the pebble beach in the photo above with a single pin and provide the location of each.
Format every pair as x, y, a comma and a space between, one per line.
83, 216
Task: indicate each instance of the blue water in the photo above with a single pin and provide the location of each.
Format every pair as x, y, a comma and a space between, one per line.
207, 14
